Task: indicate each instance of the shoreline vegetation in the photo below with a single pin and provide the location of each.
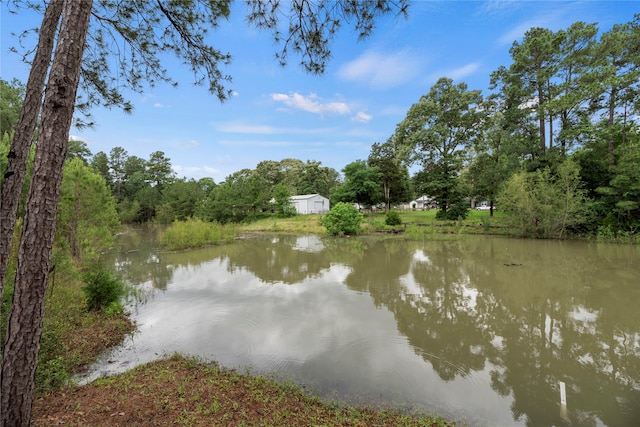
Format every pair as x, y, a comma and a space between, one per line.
178, 390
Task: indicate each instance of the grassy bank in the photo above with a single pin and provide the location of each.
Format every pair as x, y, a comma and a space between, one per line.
309, 224
179, 391
415, 224
72, 336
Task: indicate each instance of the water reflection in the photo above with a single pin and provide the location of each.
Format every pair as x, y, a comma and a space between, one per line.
482, 329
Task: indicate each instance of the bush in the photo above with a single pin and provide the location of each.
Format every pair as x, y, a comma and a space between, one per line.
101, 289
342, 219
545, 205
455, 212
393, 218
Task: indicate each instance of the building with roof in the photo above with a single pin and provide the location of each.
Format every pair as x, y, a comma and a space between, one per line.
310, 204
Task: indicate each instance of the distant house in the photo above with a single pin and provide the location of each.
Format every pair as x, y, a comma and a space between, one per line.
421, 203
310, 204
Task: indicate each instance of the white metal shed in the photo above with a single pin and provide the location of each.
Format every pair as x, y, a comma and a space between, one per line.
310, 204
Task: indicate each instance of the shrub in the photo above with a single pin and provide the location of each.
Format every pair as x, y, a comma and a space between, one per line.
541, 204
101, 289
393, 218
453, 213
342, 219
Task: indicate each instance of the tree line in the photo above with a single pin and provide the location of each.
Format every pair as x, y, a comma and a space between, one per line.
556, 145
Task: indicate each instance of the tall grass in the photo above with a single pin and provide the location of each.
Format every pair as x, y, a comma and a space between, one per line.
309, 224
195, 233
606, 234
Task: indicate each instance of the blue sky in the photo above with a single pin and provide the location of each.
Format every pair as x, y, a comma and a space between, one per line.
279, 113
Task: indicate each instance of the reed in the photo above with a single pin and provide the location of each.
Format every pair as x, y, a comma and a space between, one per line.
195, 233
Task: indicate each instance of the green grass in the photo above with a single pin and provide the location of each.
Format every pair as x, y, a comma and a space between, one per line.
309, 224
415, 224
184, 391
195, 233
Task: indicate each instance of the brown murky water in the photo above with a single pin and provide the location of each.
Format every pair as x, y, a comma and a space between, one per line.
490, 331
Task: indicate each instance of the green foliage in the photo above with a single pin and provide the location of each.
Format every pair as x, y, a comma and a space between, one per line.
613, 234
437, 133
242, 195
101, 288
393, 218
289, 211
5, 144
52, 374
282, 201
541, 204
129, 211
625, 185
298, 177
79, 149
343, 218
11, 97
195, 233
457, 211
87, 216
363, 185
394, 176
181, 198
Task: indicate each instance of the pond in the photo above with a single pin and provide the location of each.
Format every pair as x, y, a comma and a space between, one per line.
483, 330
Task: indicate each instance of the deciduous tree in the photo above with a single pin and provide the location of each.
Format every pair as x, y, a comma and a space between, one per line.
395, 176
438, 131
362, 185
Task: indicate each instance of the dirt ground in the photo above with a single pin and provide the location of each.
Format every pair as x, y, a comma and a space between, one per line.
181, 391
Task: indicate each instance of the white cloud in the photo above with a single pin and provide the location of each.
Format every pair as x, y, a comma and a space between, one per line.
498, 6
196, 172
382, 70
515, 33
556, 16
248, 128
454, 74
464, 71
192, 143
158, 105
361, 117
310, 103
257, 143
239, 127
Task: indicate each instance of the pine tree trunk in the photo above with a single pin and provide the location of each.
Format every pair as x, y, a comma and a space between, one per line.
21, 143
610, 122
541, 124
25, 321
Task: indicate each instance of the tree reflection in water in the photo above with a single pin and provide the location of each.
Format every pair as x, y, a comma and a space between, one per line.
533, 313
